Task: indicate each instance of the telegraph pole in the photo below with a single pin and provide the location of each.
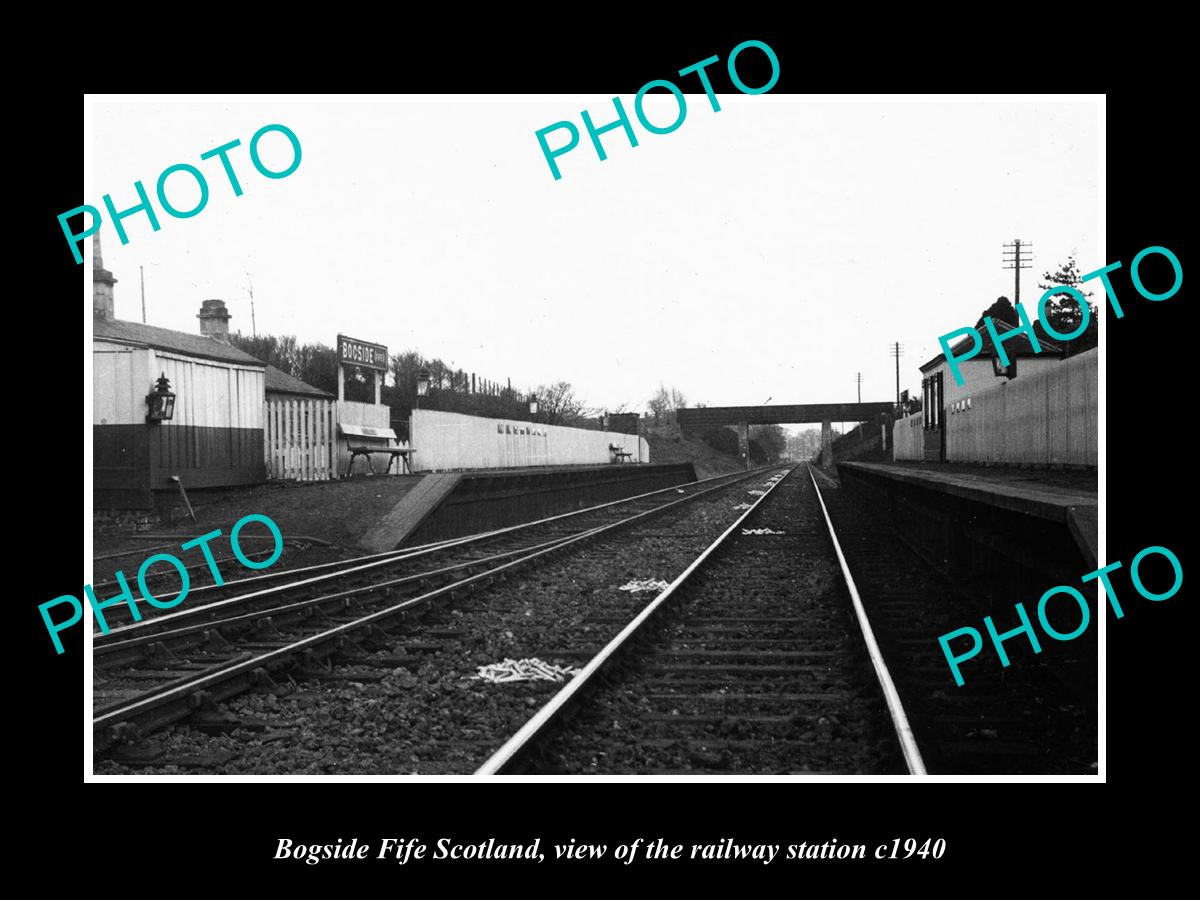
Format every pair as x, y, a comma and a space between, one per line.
250, 283
897, 351
142, 276
861, 431
1015, 261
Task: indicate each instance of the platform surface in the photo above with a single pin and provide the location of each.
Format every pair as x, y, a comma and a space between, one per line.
414, 508
1068, 497
409, 512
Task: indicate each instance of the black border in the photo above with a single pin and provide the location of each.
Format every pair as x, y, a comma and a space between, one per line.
991, 830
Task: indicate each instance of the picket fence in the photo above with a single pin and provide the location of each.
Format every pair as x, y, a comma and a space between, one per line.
299, 438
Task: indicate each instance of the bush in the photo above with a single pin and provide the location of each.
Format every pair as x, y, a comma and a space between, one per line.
723, 439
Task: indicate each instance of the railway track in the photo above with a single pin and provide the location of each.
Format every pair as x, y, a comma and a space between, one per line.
199, 657
758, 658
753, 660
217, 613
163, 578
1024, 719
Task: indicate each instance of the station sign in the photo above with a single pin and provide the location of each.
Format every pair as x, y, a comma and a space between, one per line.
352, 352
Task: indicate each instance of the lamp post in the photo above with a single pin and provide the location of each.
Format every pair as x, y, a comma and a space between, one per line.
533, 406
161, 402
423, 380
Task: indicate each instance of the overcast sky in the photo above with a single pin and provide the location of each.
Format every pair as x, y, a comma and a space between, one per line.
772, 249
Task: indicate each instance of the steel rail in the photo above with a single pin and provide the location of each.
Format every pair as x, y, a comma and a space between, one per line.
376, 560
908, 741
237, 583
141, 706
194, 567
527, 733
268, 612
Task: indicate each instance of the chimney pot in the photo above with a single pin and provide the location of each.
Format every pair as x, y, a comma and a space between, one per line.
214, 320
102, 284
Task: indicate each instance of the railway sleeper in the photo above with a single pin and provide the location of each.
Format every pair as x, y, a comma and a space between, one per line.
266, 627
316, 613
263, 683
207, 717
158, 653
211, 759
313, 665
122, 734
349, 650
128, 754
214, 640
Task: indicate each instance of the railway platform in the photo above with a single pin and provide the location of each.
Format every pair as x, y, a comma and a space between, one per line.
451, 504
1066, 498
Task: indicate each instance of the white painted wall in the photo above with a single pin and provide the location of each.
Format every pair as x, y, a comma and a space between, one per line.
120, 382
978, 375
211, 394
207, 393
908, 437
443, 440
1047, 416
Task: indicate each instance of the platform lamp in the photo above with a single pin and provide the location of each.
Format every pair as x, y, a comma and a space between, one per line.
161, 401
533, 405
423, 381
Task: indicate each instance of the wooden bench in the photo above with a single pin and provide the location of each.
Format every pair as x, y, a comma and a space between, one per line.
619, 453
359, 441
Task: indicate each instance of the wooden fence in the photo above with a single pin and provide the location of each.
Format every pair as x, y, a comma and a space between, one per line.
299, 438
1048, 417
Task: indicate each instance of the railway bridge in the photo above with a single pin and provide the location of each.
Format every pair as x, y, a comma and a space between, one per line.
745, 416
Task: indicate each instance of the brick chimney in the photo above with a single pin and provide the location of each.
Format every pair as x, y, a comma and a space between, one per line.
214, 320
102, 284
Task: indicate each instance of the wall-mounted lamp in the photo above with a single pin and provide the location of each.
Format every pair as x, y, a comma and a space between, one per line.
423, 380
161, 401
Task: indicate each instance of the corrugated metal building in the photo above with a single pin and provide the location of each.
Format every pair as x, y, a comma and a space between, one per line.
214, 438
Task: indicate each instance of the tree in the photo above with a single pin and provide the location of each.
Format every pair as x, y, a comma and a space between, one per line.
1063, 312
659, 403
807, 444
405, 367
1001, 311
664, 403
318, 365
279, 351
771, 439
558, 405
315, 364
722, 438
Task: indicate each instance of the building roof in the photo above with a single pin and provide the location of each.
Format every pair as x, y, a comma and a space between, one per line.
1014, 347
141, 335
279, 382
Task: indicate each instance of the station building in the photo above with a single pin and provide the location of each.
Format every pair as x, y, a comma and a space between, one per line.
279, 385
942, 395
169, 407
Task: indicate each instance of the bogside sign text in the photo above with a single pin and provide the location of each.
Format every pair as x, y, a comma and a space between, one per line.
353, 352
